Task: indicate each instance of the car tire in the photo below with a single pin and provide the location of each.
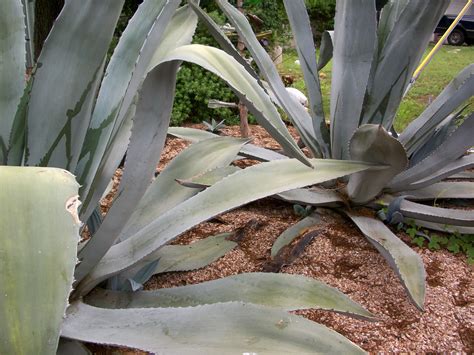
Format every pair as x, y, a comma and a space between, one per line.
456, 38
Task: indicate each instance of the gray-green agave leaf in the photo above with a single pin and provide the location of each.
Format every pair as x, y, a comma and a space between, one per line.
183, 330
38, 243
12, 69
284, 291
403, 260
372, 143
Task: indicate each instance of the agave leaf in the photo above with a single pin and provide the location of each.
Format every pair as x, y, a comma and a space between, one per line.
165, 193
283, 291
372, 143
124, 73
172, 258
463, 175
301, 28
442, 190
445, 216
326, 49
37, 256
294, 110
458, 90
437, 137
209, 177
450, 150
222, 39
237, 189
12, 70
146, 142
109, 164
179, 32
448, 170
404, 32
249, 150
245, 86
439, 226
294, 232
354, 46
18, 131
252, 329
313, 197
76, 47
403, 260
193, 256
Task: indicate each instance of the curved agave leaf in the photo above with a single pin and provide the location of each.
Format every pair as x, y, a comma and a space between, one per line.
466, 162
313, 197
283, 291
294, 232
37, 256
301, 28
124, 73
294, 110
458, 90
237, 189
403, 260
442, 190
179, 32
373, 144
354, 46
165, 193
108, 167
437, 137
437, 215
326, 49
450, 150
146, 142
249, 150
193, 256
235, 327
222, 39
76, 47
208, 178
12, 70
245, 86
404, 32
177, 258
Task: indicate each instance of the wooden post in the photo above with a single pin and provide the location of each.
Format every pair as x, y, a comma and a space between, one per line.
243, 111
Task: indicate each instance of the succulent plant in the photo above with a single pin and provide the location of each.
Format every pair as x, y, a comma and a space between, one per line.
81, 113
214, 126
373, 63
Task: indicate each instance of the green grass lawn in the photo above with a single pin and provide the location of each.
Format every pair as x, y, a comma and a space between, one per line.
446, 64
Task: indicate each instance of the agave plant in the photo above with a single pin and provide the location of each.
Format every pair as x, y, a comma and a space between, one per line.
373, 62
81, 113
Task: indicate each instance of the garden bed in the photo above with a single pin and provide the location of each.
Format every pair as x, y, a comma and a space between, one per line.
340, 256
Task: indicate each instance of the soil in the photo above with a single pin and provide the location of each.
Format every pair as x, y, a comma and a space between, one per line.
340, 256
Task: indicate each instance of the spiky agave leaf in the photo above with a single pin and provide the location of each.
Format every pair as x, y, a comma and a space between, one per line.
253, 329
283, 291
235, 190
38, 242
65, 109
402, 259
12, 69
372, 143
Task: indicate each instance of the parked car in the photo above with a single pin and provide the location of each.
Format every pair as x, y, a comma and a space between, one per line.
463, 32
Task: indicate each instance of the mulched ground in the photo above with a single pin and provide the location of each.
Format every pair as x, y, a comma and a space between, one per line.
340, 256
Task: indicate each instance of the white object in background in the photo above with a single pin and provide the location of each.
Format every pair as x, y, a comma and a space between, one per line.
298, 96
297, 62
